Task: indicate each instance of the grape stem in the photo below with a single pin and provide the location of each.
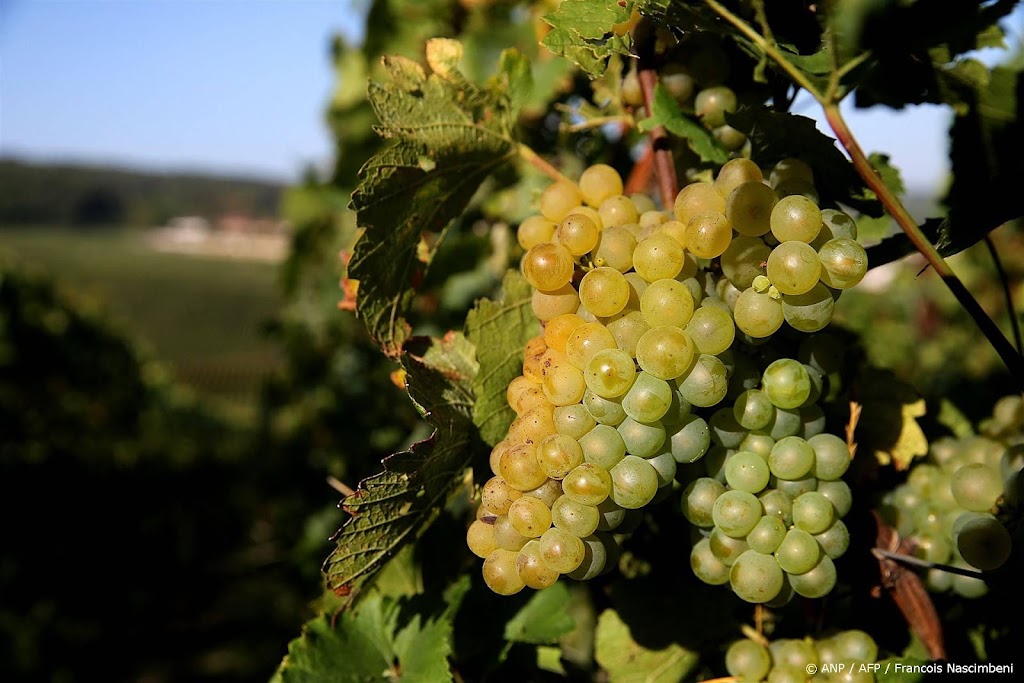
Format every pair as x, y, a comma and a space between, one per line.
664, 164
542, 165
1014, 323
624, 120
1013, 360
918, 562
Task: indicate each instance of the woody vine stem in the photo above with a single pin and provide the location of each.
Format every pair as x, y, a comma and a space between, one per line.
893, 206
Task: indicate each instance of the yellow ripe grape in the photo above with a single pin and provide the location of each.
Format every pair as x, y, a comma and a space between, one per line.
637, 285
844, 262
480, 538
548, 266
796, 218
643, 203
658, 257
749, 208
529, 516
665, 352
497, 496
506, 536
618, 210
517, 389
711, 328
666, 302
604, 291
561, 551
590, 213
696, 199
791, 169
548, 305
578, 234
690, 267
736, 172
558, 329
533, 231
531, 568
500, 572
794, 267
627, 330
615, 249
558, 455
532, 426
652, 218
558, 200
610, 373
563, 384
520, 469
674, 229
548, 492
495, 457
708, 234
585, 341
796, 186
598, 183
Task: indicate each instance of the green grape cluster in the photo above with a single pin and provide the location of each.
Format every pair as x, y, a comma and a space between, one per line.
782, 258
639, 331
949, 504
841, 658
769, 507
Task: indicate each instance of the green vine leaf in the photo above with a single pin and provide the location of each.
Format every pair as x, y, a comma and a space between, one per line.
544, 619
627, 661
665, 111
581, 32
383, 639
499, 330
395, 506
448, 136
775, 136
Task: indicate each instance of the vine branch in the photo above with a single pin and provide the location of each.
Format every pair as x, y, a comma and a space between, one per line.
541, 164
1005, 280
1010, 357
664, 164
766, 46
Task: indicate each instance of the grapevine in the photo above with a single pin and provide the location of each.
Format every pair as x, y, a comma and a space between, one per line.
659, 375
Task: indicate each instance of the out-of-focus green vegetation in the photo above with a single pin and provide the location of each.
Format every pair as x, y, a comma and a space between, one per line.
204, 318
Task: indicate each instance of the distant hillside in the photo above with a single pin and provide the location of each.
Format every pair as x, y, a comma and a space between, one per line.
76, 195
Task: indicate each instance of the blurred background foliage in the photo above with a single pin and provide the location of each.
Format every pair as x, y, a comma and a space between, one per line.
160, 526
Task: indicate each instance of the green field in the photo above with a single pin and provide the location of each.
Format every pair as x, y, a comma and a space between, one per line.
203, 317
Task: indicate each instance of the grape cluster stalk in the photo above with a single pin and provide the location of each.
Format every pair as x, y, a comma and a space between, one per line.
653, 357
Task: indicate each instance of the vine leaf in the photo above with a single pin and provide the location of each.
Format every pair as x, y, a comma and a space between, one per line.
627, 661
888, 426
580, 32
987, 168
499, 330
665, 111
395, 506
543, 619
448, 135
775, 136
383, 639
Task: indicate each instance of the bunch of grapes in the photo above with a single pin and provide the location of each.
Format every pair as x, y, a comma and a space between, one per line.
948, 505
839, 658
770, 506
638, 314
696, 79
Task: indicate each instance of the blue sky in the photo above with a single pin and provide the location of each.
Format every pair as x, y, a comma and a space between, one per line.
240, 86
